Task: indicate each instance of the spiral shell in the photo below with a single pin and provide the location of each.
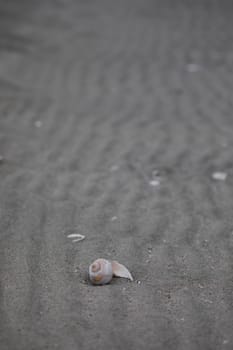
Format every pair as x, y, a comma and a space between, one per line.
101, 271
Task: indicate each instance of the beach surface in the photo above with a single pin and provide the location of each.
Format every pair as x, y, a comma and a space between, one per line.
116, 123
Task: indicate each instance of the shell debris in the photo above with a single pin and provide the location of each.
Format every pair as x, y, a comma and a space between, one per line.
219, 176
156, 179
76, 237
154, 183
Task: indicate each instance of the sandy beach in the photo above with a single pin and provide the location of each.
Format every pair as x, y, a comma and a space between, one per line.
114, 118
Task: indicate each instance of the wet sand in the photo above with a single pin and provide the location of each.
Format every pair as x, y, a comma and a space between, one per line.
113, 118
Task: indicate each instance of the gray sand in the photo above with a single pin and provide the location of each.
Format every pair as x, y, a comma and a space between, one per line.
94, 99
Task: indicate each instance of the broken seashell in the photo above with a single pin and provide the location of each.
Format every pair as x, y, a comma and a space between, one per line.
101, 271
154, 182
219, 175
120, 270
77, 237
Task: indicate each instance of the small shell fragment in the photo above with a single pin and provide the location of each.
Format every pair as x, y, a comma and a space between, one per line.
77, 237
154, 183
219, 175
120, 270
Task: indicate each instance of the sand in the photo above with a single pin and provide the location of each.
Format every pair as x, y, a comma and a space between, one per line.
114, 116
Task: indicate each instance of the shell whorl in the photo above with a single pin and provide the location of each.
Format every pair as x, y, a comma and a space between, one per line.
96, 266
100, 271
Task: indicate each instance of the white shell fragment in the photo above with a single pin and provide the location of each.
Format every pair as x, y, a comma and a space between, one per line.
156, 179
77, 237
219, 175
154, 183
101, 271
120, 270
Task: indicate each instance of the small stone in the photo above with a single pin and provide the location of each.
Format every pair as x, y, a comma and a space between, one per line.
114, 218
138, 282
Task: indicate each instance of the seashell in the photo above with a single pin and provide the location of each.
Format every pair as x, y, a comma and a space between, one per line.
77, 237
120, 270
101, 271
